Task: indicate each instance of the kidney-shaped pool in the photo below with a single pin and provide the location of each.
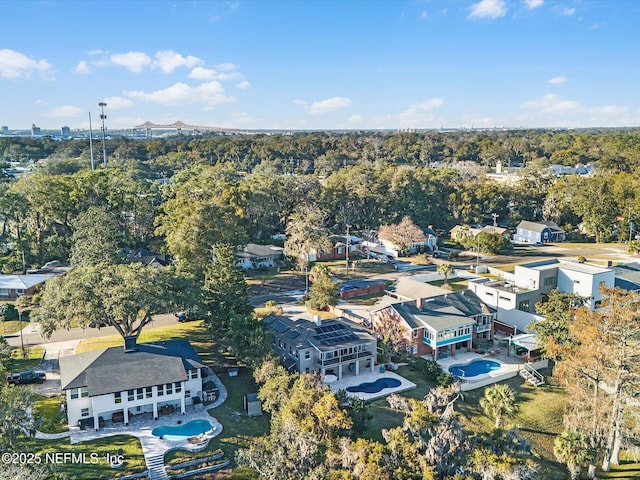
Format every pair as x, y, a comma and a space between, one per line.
475, 368
375, 387
177, 433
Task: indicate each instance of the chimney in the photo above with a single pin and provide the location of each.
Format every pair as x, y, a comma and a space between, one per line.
419, 303
317, 320
130, 344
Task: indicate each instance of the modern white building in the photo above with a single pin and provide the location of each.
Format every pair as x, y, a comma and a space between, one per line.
116, 383
514, 297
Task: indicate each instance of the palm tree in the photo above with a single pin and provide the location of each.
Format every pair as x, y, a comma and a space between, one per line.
499, 401
571, 448
445, 269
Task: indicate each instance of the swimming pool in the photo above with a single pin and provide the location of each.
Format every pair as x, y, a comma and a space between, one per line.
182, 432
475, 368
375, 387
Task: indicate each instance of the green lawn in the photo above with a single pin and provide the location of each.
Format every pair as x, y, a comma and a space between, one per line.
130, 447
32, 358
168, 332
238, 428
12, 326
54, 421
539, 418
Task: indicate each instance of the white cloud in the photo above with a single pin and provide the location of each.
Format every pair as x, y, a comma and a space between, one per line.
17, 65
118, 103
134, 61
424, 14
227, 66
210, 94
488, 9
558, 80
66, 111
168, 61
552, 107
243, 85
200, 73
96, 52
475, 121
551, 103
428, 104
300, 102
82, 67
355, 119
328, 105
533, 4
567, 12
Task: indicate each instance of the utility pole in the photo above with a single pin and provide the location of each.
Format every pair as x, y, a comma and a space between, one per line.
103, 118
346, 255
478, 253
93, 167
630, 226
495, 224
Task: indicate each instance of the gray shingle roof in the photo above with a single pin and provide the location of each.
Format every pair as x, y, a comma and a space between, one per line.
112, 370
539, 226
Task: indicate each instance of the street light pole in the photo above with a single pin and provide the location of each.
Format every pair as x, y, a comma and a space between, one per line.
103, 117
21, 338
347, 253
478, 253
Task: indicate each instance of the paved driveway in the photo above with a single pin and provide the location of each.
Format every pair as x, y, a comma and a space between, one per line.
51, 365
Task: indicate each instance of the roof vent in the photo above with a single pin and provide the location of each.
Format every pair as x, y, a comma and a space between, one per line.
130, 344
317, 319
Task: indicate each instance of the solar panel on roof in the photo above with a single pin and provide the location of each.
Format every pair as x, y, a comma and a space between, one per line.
278, 326
293, 334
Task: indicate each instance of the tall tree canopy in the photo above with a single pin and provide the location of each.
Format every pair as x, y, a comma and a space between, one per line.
123, 296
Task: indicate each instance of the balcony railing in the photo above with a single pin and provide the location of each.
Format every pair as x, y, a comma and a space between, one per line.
482, 328
344, 358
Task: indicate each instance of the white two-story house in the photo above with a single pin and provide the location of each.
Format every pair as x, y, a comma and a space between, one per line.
113, 384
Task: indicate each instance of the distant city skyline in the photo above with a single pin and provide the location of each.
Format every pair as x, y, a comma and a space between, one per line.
277, 65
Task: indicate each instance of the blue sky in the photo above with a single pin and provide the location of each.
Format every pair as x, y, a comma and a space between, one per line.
321, 64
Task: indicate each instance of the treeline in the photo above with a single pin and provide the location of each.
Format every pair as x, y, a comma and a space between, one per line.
182, 195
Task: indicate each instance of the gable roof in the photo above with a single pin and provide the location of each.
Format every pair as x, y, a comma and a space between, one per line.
113, 370
443, 311
252, 250
147, 257
539, 226
23, 282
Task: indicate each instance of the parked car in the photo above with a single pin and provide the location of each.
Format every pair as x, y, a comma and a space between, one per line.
28, 376
182, 316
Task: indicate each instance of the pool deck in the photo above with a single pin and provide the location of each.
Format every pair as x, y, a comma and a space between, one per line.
353, 380
509, 368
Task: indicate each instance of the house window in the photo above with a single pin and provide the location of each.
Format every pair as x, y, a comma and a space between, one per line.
140, 393
74, 393
169, 388
187, 394
415, 334
193, 374
549, 281
489, 294
130, 395
149, 392
523, 305
4, 292
178, 386
139, 408
160, 389
84, 392
84, 412
307, 355
467, 330
117, 397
